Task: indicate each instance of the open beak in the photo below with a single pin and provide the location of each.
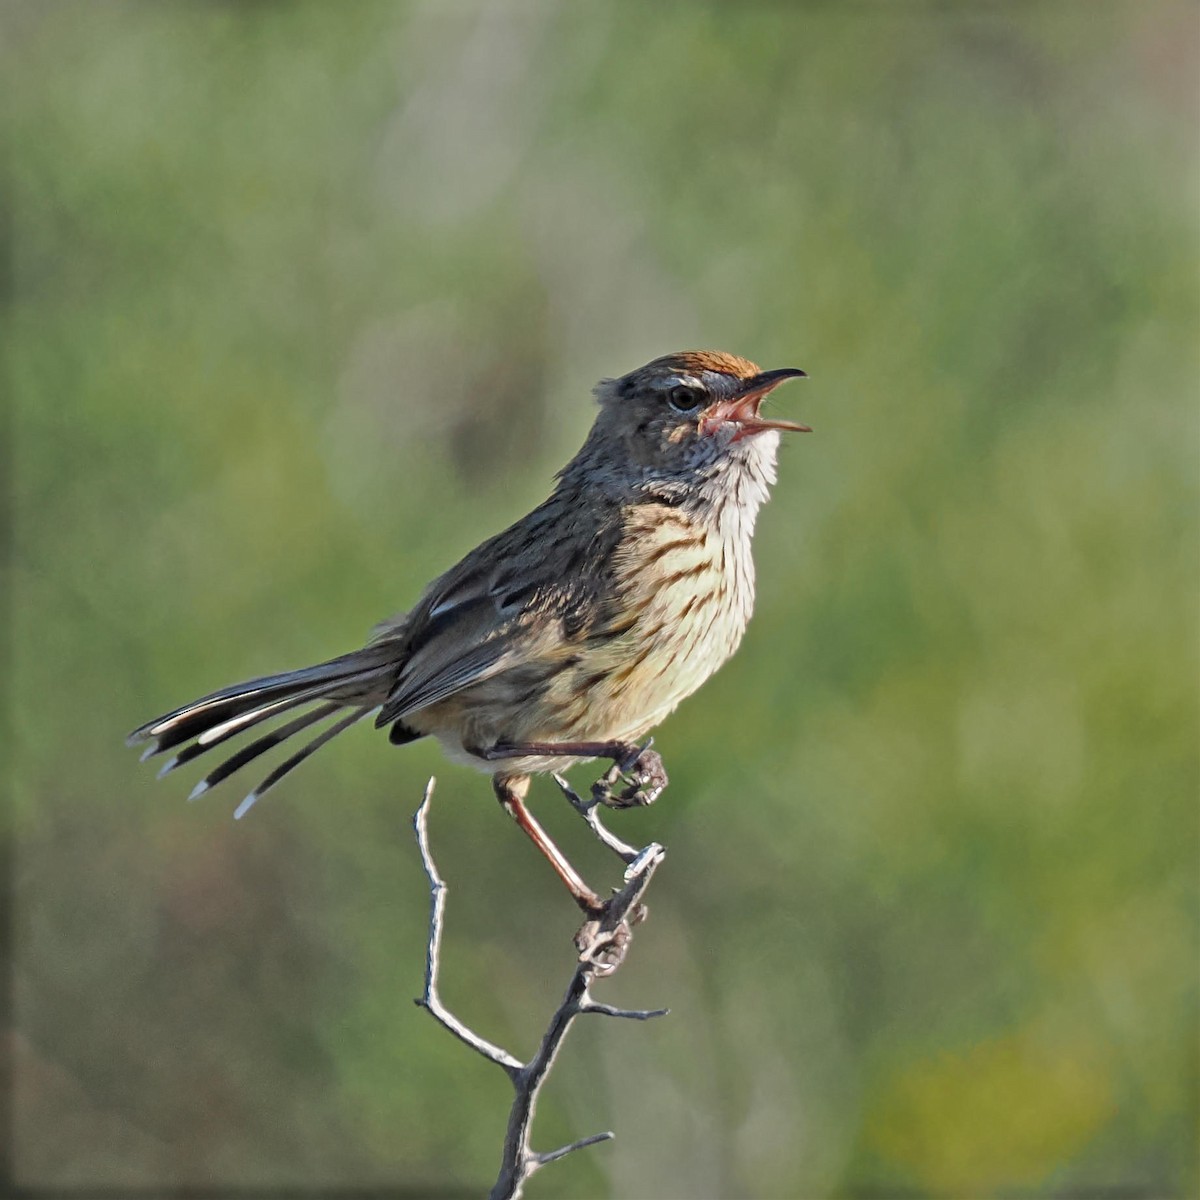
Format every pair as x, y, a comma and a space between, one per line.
741, 410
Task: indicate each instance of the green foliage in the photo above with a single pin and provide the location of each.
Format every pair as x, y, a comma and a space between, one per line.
307, 299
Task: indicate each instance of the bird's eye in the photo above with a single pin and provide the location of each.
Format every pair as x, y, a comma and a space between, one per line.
684, 399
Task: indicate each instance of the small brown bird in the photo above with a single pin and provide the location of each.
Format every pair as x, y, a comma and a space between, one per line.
571, 634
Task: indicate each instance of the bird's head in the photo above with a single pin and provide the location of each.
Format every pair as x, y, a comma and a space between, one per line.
692, 412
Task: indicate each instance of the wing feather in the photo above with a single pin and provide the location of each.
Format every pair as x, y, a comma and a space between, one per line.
492, 612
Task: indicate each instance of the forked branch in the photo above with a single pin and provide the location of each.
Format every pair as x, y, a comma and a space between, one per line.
602, 944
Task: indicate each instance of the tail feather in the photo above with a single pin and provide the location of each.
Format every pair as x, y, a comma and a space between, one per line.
190, 720
290, 764
247, 753
357, 681
212, 735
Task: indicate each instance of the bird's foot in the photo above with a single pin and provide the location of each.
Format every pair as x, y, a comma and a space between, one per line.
605, 949
642, 772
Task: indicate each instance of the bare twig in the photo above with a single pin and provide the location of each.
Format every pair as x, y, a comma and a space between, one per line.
437, 906
631, 1014
587, 810
602, 944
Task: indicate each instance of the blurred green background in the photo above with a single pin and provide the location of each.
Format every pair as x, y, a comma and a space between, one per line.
306, 299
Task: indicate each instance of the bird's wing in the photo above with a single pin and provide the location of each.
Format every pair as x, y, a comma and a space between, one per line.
501, 608
464, 646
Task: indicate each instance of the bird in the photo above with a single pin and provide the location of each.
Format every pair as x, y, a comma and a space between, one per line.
567, 636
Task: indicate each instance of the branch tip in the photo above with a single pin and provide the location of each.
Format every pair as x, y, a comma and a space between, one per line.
630, 1014
553, 1155
646, 860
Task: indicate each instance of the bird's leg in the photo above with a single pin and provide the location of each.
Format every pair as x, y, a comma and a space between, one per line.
640, 765
510, 791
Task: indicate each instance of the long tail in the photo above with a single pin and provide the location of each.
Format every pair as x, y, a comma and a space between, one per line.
356, 682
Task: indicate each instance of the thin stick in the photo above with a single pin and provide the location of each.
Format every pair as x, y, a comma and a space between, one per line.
602, 944
431, 1000
587, 810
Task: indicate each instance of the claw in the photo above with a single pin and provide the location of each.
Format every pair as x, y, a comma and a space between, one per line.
604, 950
644, 773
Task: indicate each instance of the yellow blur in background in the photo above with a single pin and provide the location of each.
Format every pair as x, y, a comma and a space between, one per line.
306, 299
